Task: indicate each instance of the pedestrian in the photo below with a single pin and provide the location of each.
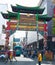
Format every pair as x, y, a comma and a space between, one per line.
7, 53
6, 56
10, 55
39, 58
14, 54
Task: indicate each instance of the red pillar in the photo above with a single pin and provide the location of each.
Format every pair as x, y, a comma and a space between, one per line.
45, 35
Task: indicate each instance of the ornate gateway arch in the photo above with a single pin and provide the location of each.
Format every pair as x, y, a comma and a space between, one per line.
31, 20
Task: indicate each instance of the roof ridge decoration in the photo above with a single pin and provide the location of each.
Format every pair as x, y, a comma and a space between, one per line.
27, 6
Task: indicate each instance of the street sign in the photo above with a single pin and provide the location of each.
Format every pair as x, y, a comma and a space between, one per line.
16, 39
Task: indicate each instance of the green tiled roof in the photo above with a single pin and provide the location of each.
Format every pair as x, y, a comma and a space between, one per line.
32, 10
44, 18
11, 15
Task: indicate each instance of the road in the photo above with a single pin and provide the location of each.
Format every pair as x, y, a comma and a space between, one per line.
26, 61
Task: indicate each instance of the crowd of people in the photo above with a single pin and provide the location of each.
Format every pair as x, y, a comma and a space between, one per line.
7, 55
30, 53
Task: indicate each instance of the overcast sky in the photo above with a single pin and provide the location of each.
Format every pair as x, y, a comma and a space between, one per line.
3, 8
29, 3
21, 2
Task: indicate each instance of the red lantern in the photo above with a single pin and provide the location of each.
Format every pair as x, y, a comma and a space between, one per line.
45, 27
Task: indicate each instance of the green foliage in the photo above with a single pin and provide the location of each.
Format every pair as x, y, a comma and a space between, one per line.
53, 30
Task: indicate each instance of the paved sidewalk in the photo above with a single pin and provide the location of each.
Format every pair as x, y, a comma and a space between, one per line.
47, 63
27, 61
23, 59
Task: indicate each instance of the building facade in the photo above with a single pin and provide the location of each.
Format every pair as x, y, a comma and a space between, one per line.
53, 1
48, 10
